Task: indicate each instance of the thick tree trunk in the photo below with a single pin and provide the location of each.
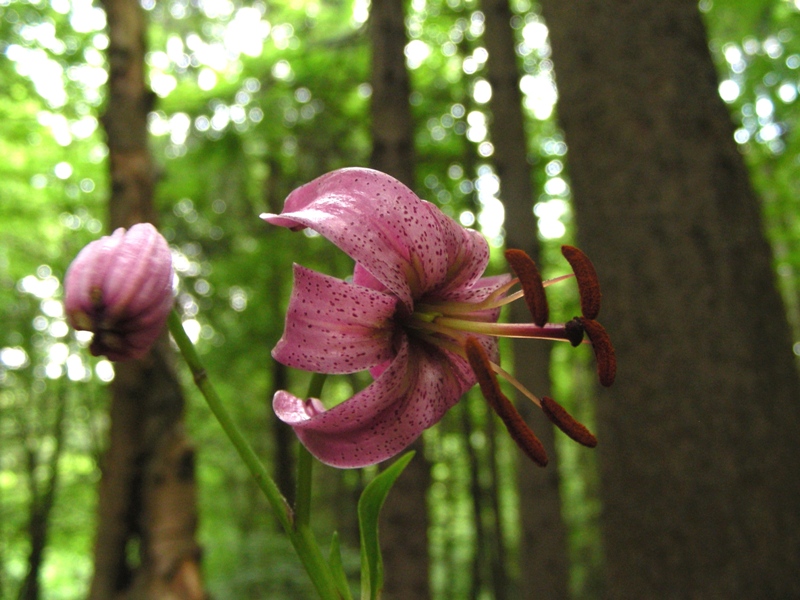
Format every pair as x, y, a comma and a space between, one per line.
404, 518
699, 462
147, 493
543, 546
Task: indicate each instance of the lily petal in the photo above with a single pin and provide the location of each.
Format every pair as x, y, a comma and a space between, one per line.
412, 394
136, 278
335, 327
87, 272
363, 277
478, 292
467, 256
405, 243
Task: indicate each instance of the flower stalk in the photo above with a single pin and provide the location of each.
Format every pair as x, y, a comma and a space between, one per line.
296, 528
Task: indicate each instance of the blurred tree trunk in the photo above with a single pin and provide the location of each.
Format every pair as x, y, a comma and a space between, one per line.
543, 546
489, 566
147, 492
43, 497
404, 518
480, 556
698, 437
392, 127
283, 436
498, 563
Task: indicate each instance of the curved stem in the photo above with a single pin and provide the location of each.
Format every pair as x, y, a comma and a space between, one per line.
300, 534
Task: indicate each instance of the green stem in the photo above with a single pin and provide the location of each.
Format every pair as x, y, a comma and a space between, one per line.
300, 534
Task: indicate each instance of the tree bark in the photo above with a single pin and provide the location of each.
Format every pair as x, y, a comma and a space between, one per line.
501, 585
284, 439
392, 126
42, 500
404, 518
543, 545
698, 445
147, 491
481, 555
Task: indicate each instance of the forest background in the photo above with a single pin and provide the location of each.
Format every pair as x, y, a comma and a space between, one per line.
253, 99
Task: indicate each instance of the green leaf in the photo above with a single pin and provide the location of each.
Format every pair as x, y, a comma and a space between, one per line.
369, 508
335, 562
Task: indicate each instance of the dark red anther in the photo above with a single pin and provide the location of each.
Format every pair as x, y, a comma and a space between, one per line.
567, 423
517, 428
588, 282
532, 286
603, 351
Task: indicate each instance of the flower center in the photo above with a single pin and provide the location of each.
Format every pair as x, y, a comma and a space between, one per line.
454, 326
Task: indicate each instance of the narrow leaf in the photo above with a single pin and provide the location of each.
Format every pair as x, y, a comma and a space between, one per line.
369, 508
337, 569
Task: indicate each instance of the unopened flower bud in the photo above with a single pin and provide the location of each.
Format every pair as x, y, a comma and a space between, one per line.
120, 288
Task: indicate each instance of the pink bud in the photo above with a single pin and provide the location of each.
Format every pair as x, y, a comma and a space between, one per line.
120, 288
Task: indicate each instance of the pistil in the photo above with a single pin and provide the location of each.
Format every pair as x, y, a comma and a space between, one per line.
510, 330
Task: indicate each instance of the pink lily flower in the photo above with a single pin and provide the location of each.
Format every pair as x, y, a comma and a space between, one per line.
120, 288
418, 314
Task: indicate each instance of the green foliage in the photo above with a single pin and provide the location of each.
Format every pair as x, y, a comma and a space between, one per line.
757, 47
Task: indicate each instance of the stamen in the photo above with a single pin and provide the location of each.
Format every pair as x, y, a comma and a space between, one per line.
603, 351
495, 300
517, 428
567, 423
588, 283
516, 383
558, 279
531, 281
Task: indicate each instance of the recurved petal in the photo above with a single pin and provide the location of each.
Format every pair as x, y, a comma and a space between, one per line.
467, 256
412, 394
335, 327
363, 277
380, 223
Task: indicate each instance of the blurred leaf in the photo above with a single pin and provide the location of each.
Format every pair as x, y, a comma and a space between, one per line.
337, 568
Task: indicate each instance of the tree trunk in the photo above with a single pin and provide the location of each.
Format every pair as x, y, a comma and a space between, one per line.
499, 564
392, 126
42, 501
283, 438
404, 518
480, 557
698, 444
147, 493
543, 546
